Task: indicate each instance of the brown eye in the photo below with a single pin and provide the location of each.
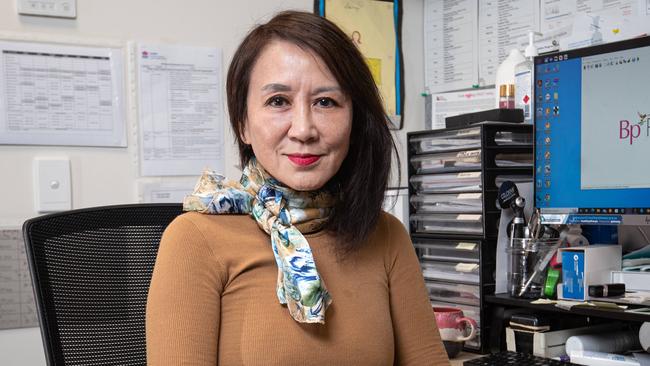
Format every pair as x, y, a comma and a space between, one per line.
326, 102
277, 101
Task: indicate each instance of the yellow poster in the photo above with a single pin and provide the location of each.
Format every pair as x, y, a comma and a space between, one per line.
369, 24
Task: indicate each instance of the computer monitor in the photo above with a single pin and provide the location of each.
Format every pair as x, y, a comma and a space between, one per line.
592, 134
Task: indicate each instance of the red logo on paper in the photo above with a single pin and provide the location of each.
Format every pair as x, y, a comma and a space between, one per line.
631, 131
526, 99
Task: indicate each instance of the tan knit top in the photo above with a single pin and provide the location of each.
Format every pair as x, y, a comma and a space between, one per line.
212, 300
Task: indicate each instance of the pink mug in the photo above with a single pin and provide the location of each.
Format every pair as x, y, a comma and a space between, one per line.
450, 324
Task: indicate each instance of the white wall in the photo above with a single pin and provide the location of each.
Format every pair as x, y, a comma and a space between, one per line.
102, 176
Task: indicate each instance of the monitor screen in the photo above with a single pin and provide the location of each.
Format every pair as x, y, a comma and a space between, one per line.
592, 133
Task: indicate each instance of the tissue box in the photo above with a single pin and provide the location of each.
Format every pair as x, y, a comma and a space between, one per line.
635, 281
549, 344
585, 266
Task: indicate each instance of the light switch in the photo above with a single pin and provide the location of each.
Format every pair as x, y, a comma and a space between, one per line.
52, 189
48, 8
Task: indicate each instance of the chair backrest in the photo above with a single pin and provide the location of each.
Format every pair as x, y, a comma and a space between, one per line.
91, 270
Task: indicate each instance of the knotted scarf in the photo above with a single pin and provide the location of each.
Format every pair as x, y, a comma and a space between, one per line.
284, 214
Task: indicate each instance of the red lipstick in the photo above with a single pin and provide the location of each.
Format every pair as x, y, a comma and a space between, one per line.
304, 160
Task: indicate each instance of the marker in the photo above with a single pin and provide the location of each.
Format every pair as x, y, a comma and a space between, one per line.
607, 290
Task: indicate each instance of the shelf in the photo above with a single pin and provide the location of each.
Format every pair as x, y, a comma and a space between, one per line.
504, 299
435, 155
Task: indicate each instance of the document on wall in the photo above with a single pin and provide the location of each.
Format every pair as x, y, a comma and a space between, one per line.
162, 191
17, 306
595, 21
450, 46
450, 104
180, 109
561, 14
502, 24
52, 94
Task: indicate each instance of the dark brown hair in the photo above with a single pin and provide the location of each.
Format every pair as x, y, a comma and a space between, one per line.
363, 176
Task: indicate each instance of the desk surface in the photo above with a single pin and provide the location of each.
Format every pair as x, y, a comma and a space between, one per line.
462, 357
504, 299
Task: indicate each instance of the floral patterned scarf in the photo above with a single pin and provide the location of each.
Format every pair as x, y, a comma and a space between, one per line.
284, 214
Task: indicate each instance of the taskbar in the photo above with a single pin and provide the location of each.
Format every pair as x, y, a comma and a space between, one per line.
623, 211
596, 216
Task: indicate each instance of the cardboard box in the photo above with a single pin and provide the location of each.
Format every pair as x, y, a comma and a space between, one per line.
588, 265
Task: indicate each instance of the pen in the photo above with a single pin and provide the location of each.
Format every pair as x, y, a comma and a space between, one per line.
539, 268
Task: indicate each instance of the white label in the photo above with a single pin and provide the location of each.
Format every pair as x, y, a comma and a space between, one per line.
466, 267
466, 246
465, 217
469, 175
467, 132
469, 154
523, 92
469, 196
554, 219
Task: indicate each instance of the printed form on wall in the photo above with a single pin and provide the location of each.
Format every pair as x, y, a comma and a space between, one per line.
17, 306
180, 110
52, 94
162, 190
502, 25
450, 104
561, 14
450, 46
590, 22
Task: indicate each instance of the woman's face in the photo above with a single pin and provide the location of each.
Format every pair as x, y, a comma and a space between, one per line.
298, 118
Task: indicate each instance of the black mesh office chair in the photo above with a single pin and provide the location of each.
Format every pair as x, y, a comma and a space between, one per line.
91, 270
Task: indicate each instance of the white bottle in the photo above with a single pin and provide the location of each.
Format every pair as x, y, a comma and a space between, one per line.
524, 88
506, 72
611, 342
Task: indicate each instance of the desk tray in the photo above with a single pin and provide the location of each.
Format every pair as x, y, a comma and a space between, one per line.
506, 138
467, 138
447, 250
447, 162
470, 224
451, 271
447, 182
455, 202
454, 292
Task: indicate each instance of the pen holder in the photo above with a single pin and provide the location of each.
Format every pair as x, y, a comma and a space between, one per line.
527, 262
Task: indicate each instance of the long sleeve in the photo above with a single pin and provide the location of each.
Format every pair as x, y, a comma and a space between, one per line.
183, 307
417, 340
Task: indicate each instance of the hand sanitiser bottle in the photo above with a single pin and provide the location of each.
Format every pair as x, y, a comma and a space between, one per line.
524, 90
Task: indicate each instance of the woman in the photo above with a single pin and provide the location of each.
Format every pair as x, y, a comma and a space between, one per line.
330, 279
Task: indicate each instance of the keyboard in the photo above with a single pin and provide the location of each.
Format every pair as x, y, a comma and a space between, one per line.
504, 358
